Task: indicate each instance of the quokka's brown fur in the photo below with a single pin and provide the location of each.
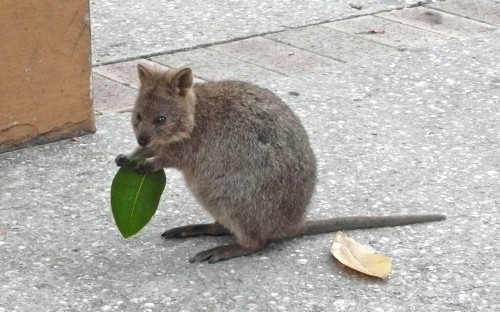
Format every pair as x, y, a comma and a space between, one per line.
244, 155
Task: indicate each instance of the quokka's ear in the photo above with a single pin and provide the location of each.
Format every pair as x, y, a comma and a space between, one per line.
183, 80
145, 73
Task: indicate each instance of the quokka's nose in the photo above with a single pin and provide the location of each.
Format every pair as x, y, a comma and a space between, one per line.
143, 141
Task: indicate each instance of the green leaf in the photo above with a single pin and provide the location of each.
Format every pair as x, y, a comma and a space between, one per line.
135, 198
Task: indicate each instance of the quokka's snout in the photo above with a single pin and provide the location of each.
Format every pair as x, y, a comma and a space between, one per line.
143, 140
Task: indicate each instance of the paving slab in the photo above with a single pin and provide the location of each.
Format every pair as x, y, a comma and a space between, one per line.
278, 57
109, 95
213, 65
479, 10
388, 32
331, 43
439, 22
124, 29
124, 72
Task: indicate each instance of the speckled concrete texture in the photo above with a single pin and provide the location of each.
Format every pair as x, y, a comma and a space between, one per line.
412, 131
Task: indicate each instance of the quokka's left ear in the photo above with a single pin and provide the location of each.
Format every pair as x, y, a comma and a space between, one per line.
183, 80
145, 73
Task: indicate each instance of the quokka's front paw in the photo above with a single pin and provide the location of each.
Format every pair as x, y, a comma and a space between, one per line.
143, 168
121, 160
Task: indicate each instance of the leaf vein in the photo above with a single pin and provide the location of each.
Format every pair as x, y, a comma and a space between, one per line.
135, 202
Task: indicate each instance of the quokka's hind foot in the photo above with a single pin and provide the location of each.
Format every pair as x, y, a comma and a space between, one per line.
209, 229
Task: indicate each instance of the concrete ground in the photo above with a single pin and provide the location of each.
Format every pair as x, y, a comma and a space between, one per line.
403, 112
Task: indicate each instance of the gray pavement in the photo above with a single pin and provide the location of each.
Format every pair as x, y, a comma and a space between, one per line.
130, 28
402, 112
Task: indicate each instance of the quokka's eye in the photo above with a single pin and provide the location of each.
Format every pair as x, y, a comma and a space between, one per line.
138, 117
160, 120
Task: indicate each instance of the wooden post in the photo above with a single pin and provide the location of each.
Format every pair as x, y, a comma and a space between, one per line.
45, 71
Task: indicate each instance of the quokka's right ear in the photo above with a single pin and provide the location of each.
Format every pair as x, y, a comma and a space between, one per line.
145, 73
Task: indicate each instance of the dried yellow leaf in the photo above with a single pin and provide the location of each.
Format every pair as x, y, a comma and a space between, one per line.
360, 257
